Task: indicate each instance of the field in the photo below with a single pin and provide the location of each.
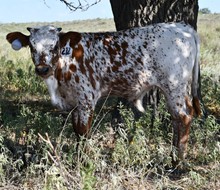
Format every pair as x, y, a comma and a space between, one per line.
38, 149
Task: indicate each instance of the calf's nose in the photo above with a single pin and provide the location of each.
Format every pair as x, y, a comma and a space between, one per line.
42, 70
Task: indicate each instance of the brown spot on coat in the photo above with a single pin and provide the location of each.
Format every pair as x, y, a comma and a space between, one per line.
67, 76
189, 106
88, 43
93, 96
130, 70
74, 38
139, 60
124, 46
112, 52
88, 63
58, 73
78, 53
72, 67
108, 70
77, 79
92, 80
183, 130
85, 96
106, 42
117, 63
119, 83
82, 68
107, 39
114, 68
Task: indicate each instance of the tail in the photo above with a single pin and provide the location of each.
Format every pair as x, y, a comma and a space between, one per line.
196, 78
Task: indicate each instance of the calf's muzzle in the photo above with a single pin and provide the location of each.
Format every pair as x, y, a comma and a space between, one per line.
42, 70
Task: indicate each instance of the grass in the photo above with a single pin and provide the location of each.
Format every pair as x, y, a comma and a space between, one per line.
38, 149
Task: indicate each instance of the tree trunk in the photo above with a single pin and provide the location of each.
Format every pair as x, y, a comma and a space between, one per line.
130, 13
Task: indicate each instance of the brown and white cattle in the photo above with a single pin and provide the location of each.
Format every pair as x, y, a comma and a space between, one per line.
80, 68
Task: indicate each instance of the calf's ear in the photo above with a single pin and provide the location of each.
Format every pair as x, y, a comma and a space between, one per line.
73, 37
17, 40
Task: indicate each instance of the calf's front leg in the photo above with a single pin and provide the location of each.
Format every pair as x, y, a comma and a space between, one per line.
82, 121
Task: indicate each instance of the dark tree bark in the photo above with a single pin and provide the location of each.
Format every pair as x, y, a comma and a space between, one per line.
130, 13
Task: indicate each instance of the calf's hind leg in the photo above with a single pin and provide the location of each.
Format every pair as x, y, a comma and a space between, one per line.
182, 115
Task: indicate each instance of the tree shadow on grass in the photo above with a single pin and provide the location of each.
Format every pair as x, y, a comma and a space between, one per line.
20, 123
19, 118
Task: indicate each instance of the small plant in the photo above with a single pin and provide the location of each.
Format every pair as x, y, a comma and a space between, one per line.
88, 178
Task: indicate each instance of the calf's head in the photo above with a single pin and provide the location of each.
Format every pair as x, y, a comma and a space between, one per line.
44, 44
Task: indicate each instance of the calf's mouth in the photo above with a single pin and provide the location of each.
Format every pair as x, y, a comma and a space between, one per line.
43, 71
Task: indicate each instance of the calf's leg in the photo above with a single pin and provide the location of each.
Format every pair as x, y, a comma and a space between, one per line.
82, 123
182, 114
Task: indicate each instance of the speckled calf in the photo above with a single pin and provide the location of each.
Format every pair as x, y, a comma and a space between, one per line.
80, 68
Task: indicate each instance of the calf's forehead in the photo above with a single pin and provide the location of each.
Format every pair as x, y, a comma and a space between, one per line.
43, 36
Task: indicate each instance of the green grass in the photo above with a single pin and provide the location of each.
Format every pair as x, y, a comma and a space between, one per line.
38, 149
